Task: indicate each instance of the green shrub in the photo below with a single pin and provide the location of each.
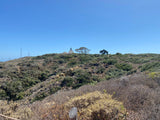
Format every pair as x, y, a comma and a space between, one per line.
40, 96
13, 88
72, 62
95, 78
118, 53
67, 81
124, 66
1, 74
28, 82
66, 57
110, 61
131, 72
138, 60
20, 96
150, 66
54, 67
43, 77
2, 94
61, 61
82, 78
113, 73
54, 90
94, 63
69, 73
84, 58
1, 65
100, 70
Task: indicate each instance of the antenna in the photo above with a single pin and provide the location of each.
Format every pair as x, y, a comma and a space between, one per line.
21, 52
28, 54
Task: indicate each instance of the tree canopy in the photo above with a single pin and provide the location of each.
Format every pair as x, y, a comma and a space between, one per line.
103, 52
82, 50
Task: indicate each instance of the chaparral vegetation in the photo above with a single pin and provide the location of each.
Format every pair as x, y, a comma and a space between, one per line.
102, 86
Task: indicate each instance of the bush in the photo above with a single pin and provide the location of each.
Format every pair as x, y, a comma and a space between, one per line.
84, 58
40, 96
131, 72
43, 77
29, 82
61, 61
67, 81
154, 74
66, 57
124, 66
20, 95
118, 53
70, 72
138, 97
1, 74
138, 60
83, 78
95, 78
94, 63
97, 106
110, 61
113, 73
100, 70
150, 66
2, 66
2, 94
72, 62
13, 88
54, 90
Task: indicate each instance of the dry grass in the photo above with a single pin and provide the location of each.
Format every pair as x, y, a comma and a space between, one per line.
15, 110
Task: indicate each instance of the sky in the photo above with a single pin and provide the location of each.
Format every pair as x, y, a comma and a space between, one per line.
38, 27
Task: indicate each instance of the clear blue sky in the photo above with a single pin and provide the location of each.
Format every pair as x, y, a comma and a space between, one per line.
54, 26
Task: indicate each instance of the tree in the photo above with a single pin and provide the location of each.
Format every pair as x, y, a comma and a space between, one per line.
82, 50
103, 52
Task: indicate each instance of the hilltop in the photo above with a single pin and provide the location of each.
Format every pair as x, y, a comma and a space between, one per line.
52, 78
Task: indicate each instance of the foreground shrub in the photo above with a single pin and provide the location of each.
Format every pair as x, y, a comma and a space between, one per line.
97, 106
15, 110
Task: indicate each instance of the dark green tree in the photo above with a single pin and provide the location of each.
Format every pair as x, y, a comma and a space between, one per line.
103, 52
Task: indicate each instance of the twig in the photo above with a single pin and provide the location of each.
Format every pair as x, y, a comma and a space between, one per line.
10, 118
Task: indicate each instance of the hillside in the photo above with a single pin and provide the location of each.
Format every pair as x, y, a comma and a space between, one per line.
56, 78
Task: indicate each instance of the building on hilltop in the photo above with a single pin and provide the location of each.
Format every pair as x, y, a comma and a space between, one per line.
70, 51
